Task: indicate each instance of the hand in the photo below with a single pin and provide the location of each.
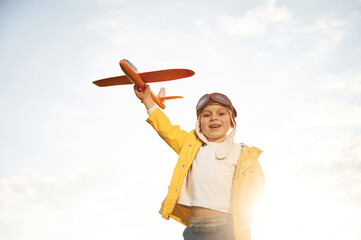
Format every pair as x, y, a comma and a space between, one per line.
145, 96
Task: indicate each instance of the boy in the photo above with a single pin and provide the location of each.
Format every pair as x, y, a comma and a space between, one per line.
215, 181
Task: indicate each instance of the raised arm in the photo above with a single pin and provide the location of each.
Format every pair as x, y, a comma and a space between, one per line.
145, 96
171, 134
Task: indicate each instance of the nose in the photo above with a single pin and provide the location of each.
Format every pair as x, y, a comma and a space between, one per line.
214, 117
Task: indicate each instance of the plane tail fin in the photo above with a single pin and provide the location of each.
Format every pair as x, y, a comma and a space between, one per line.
162, 97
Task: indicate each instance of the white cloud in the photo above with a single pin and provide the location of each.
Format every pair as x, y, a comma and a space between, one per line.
86, 204
331, 33
356, 14
255, 21
282, 40
199, 23
322, 26
332, 113
340, 83
206, 42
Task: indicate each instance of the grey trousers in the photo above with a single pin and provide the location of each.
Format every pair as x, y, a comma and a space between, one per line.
210, 228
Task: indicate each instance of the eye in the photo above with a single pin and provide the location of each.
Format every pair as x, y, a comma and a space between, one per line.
205, 115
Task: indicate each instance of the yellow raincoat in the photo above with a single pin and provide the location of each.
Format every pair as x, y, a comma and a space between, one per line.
247, 184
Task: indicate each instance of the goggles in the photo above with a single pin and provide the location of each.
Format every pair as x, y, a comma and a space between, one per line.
215, 97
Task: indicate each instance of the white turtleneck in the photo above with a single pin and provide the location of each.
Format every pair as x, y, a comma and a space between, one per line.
208, 182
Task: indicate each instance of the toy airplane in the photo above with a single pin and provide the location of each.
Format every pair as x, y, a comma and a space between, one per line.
132, 76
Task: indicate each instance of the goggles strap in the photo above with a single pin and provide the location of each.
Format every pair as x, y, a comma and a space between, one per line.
198, 131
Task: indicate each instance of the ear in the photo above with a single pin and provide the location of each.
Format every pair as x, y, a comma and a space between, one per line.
232, 122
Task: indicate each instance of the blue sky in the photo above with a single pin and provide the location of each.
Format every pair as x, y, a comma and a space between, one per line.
77, 161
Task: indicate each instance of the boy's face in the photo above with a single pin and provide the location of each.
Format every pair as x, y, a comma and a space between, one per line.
215, 122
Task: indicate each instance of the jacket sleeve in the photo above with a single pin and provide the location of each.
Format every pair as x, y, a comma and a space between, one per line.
248, 184
171, 134
255, 188
256, 175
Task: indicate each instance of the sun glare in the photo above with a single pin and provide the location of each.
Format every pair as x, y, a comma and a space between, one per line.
297, 209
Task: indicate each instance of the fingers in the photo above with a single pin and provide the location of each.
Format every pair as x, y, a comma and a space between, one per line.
146, 88
142, 94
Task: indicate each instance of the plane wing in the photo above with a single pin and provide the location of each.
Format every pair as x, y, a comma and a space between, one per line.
112, 81
165, 75
147, 77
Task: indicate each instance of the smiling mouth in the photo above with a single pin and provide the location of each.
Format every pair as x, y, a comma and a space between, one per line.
215, 126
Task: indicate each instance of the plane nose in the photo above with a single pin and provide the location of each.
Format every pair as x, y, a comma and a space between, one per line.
123, 61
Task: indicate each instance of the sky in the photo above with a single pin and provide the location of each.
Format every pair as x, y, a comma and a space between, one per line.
80, 162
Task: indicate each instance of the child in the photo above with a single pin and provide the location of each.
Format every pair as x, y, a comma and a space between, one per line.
215, 181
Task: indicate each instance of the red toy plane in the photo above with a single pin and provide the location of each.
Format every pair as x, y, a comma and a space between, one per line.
132, 76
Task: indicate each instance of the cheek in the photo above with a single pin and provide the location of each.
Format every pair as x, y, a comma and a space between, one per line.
202, 122
229, 122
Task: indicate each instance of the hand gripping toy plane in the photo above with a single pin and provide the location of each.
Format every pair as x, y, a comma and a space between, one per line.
132, 76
